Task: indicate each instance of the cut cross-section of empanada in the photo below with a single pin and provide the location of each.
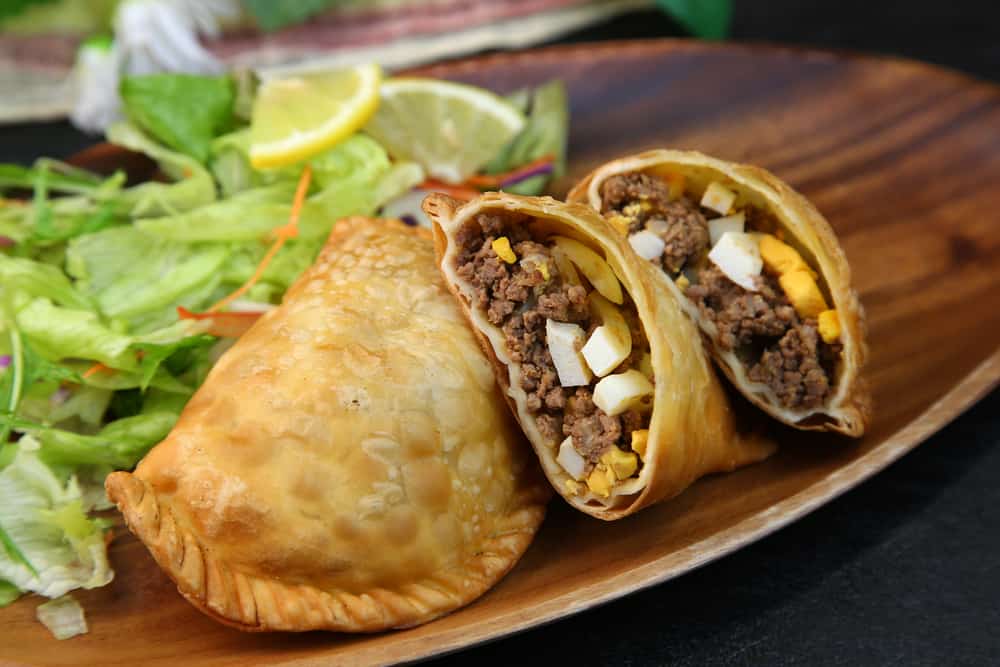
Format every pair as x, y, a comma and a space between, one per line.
759, 269
349, 464
604, 371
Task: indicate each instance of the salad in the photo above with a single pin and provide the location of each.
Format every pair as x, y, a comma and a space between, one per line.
117, 298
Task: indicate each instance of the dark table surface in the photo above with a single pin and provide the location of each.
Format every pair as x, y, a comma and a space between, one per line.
905, 569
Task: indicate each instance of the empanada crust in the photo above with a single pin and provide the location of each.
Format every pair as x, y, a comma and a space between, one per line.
349, 464
848, 410
693, 430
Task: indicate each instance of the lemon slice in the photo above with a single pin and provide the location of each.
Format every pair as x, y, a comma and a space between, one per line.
452, 130
299, 116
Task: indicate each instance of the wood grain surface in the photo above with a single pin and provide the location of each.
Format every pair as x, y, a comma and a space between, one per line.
902, 158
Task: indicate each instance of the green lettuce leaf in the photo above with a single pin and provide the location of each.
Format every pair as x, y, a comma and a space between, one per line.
272, 15
35, 279
63, 333
51, 547
184, 111
120, 444
8, 593
140, 278
193, 186
153, 355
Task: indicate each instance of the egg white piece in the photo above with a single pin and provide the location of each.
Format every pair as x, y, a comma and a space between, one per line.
565, 340
736, 254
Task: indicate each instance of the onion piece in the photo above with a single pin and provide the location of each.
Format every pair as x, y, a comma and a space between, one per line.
63, 617
570, 459
647, 244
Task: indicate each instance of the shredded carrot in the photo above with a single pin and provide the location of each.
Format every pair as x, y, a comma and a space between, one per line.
281, 234
457, 191
94, 370
495, 180
224, 325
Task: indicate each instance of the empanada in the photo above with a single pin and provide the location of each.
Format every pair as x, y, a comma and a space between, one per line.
759, 269
605, 373
349, 464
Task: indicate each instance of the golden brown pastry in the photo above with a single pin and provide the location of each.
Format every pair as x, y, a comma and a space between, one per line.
349, 464
604, 371
759, 269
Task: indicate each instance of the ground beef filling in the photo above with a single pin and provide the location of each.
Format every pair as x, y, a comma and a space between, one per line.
780, 349
518, 298
646, 203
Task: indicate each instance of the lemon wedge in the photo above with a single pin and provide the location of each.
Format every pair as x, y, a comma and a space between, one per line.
299, 116
451, 129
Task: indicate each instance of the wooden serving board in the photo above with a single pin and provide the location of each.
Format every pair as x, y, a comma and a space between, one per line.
904, 160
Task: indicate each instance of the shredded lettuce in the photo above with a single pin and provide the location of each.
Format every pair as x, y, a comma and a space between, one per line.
8, 593
64, 333
544, 134
140, 278
193, 186
35, 279
51, 547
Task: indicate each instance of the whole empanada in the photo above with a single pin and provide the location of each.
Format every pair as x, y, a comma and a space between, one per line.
791, 338
605, 373
349, 464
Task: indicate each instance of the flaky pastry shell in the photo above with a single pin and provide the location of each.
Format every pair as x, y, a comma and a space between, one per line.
693, 430
349, 464
848, 409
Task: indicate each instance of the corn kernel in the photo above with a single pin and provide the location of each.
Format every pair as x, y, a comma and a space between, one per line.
622, 464
829, 326
802, 291
620, 223
502, 248
780, 257
544, 270
640, 439
682, 282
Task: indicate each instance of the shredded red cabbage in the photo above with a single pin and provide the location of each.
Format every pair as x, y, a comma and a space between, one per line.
516, 178
7, 242
5, 360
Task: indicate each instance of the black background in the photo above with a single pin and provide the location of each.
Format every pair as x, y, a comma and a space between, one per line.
905, 569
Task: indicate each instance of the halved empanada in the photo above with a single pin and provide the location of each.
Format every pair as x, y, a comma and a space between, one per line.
604, 371
759, 269
349, 464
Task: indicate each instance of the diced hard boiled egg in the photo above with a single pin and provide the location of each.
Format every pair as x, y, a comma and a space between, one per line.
647, 244
619, 392
605, 350
802, 291
593, 266
570, 460
718, 197
780, 257
620, 223
600, 481
729, 223
622, 464
501, 247
737, 256
682, 282
611, 342
829, 326
572, 486
565, 340
640, 439
675, 184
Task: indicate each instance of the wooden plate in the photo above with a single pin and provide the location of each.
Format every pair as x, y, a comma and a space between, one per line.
904, 160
